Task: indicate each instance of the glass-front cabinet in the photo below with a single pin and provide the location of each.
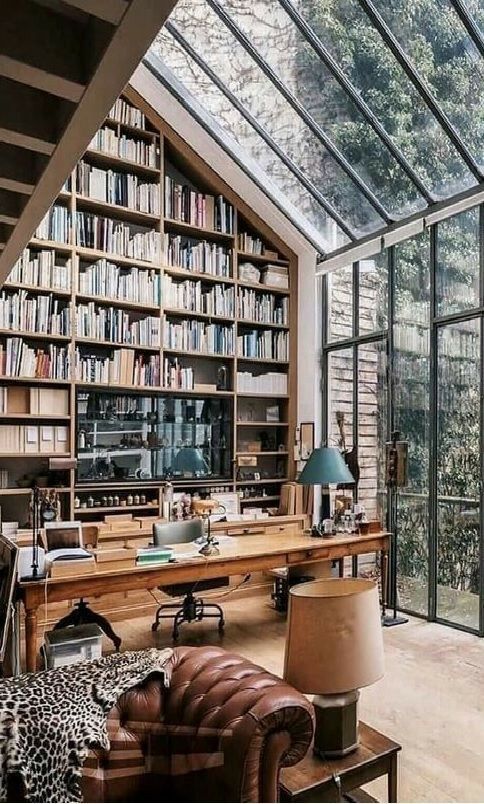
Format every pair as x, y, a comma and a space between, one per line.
122, 437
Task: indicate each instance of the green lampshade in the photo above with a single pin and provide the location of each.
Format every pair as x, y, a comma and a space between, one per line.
325, 466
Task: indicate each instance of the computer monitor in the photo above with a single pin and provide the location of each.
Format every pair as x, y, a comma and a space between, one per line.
177, 532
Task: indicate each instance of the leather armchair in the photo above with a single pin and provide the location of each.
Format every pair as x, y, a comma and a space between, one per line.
221, 732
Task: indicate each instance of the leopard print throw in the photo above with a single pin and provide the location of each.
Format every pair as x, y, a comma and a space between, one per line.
50, 720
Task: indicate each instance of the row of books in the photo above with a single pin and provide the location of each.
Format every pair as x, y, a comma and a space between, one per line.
55, 225
117, 237
176, 376
141, 151
105, 278
122, 189
263, 307
17, 359
39, 268
265, 344
123, 112
124, 367
254, 245
196, 336
192, 255
272, 382
218, 300
113, 324
38, 313
183, 203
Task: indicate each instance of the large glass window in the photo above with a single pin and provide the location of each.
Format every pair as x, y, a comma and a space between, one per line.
434, 331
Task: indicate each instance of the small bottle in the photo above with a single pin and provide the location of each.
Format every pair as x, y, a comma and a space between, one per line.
129, 500
116, 501
77, 502
104, 501
110, 500
142, 499
90, 501
136, 499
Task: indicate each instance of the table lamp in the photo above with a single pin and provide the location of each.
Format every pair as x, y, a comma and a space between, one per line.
334, 646
324, 467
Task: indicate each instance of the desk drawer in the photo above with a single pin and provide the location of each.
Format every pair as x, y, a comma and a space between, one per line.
247, 531
310, 554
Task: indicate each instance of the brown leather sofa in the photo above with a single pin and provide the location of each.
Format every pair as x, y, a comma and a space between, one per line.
221, 732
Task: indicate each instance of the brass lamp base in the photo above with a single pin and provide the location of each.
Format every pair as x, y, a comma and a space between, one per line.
209, 549
336, 731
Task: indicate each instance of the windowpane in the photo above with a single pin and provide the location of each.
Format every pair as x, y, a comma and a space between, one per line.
439, 46
411, 383
457, 281
458, 472
210, 37
372, 428
360, 51
373, 294
340, 304
340, 399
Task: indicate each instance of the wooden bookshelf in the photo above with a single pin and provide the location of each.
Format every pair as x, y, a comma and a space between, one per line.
171, 152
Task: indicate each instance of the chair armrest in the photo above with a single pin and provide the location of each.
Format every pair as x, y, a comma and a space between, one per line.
262, 723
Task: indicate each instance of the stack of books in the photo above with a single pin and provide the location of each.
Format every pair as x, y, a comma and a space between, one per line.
264, 344
40, 314
249, 244
125, 113
176, 376
116, 237
200, 256
196, 336
122, 189
263, 307
184, 203
38, 268
107, 141
272, 382
219, 300
114, 324
55, 225
19, 360
124, 367
104, 278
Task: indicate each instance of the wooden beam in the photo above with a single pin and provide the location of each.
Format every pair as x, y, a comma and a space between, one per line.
137, 29
40, 79
8, 219
108, 10
30, 118
19, 169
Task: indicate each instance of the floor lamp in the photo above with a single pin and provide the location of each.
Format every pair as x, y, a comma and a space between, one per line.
396, 477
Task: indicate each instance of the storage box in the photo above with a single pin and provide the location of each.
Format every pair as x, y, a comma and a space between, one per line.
54, 401
72, 568
79, 643
249, 272
18, 400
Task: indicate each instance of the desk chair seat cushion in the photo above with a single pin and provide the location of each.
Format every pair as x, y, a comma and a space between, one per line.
221, 732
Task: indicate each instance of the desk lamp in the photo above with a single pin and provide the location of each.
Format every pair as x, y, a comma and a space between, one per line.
324, 467
334, 646
204, 509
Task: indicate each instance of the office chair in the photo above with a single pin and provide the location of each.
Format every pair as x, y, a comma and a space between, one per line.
192, 608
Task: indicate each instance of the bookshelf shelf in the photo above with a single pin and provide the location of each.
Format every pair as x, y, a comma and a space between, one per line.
117, 211
116, 345
97, 254
37, 289
110, 301
197, 190
196, 276
244, 255
180, 227
26, 455
106, 159
38, 336
14, 491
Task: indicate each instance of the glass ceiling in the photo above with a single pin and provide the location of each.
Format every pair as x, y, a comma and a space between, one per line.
360, 112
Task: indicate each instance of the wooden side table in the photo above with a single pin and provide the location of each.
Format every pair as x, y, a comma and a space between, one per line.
315, 780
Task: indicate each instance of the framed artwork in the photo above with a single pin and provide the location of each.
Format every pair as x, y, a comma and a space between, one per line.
306, 440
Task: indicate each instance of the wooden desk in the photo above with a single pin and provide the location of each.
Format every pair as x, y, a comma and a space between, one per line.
313, 779
238, 555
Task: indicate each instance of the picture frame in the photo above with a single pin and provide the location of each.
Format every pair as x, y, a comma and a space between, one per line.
306, 440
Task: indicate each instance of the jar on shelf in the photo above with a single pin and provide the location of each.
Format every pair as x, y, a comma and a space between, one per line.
90, 501
116, 501
142, 499
129, 500
110, 500
136, 499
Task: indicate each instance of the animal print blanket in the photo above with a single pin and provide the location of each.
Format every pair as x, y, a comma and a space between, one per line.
49, 720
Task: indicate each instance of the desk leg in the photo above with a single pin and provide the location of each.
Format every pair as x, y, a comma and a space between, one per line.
384, 581
393, 779
31, 640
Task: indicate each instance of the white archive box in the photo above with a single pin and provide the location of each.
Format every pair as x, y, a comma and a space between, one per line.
47, 439
31, 438
61, 439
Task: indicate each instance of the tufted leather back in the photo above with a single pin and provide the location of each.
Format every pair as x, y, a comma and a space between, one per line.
219, 733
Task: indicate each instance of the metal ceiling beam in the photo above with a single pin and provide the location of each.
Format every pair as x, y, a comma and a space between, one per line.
349, 88
469, 24
261, 131
301, 111
393, 45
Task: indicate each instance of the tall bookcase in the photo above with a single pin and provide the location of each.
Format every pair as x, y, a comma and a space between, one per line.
148, 298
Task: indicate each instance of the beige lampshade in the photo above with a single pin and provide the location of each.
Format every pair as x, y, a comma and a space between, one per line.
334, 636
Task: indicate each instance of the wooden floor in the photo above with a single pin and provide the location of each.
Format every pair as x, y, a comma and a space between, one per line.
431, 699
